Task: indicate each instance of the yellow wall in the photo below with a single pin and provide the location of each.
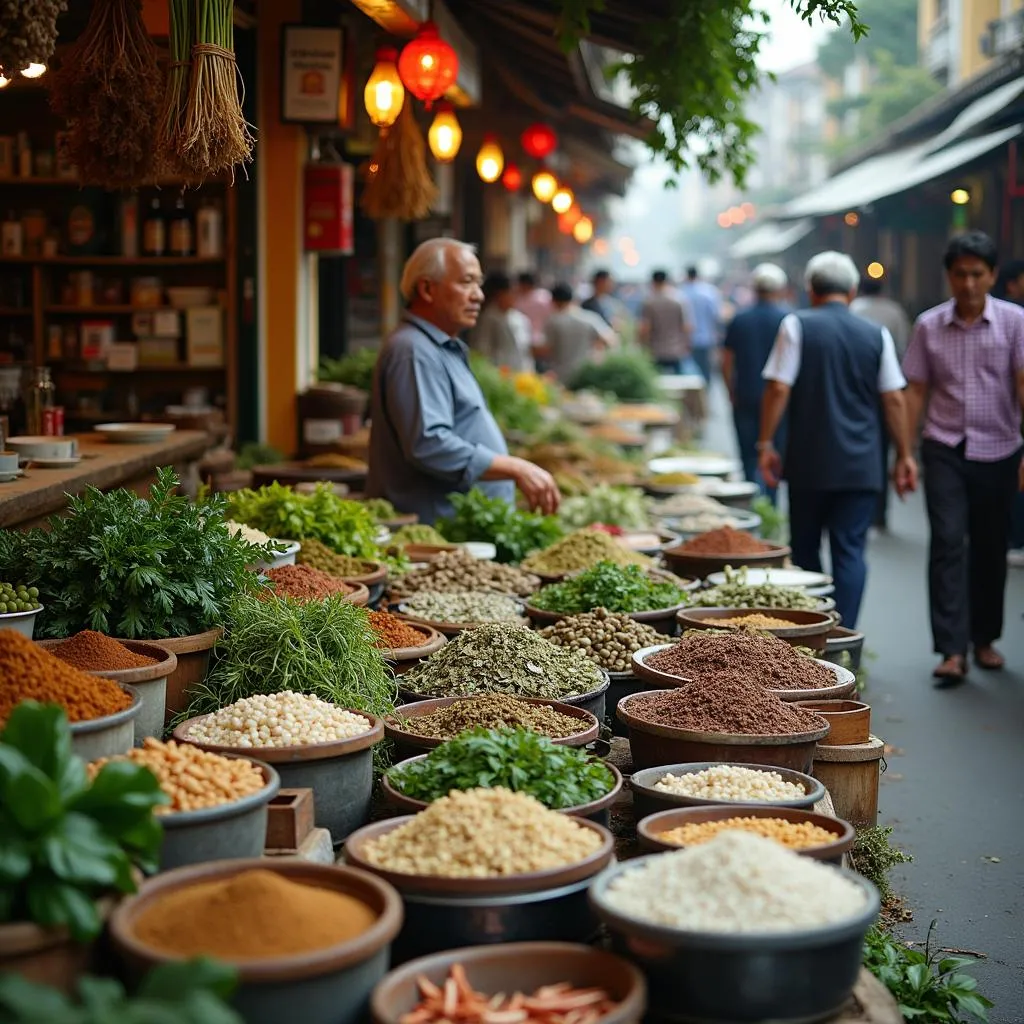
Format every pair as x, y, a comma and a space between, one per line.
973, 16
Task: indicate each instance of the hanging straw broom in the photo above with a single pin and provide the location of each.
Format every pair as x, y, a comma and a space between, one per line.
398, 183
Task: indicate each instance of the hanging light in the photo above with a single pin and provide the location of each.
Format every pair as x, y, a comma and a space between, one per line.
512, 179
960, 196
490, 161
445, 134
539, 141
428, 65
384, 93
563, 225
544, 185
34, 71
562, 200
583, 230
572, 215
4, 82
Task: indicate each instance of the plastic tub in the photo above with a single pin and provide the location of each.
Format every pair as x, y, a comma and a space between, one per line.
286, 557
110, 735
21, 622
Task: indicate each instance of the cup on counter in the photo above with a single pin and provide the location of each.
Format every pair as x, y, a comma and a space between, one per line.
8, 463
41, 447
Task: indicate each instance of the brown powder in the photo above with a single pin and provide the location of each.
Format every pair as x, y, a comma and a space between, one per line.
92, 651
304, 583
724, 541
392, 633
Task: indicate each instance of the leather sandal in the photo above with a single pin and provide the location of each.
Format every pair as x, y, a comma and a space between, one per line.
988, 658
951, 672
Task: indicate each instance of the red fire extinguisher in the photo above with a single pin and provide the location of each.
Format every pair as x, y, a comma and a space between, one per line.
328, 208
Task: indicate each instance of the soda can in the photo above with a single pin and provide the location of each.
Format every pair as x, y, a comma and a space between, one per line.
53, 421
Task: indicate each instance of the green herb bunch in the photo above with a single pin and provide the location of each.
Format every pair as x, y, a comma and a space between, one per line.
354, 369
67, 842
515, 412
381, 509
346, 527
323, 648
603, 503
186, 992
929, 987
517, 759
256, 454
139, 568
514, 533
629, 375
617, 588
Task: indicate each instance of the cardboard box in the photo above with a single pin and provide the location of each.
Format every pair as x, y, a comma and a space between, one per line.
166, 323
204, 336
158, 351
123, 356
96, 338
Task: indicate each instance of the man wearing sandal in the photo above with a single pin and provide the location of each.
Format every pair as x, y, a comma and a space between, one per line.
965, 365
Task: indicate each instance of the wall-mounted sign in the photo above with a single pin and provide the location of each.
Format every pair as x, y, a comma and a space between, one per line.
311, 74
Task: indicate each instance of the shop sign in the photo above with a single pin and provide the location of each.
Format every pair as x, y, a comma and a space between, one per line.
311, 74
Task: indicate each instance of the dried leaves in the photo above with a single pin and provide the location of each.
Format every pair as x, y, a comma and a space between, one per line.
28, 33
398, 183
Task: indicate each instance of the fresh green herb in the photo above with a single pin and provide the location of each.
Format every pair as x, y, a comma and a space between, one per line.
187, 992
515, 534
68, 842
417, 533
515, 412
618, 588
774, 524
929, 987
354, 369
629, 375
517, 759
874, 856
381, 509
140, 568
323, 648
255, 454
616, 506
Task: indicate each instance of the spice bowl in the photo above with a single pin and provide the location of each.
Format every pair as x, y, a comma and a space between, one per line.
374, 577
649, 799
409, 744
447, 629
662, 619
621, 684
193, 654
110, 735
651, 828
340, 773
844, 647
360, 595
285, 555
326, 986
807, 629
687, 563
516, 967
402, 659
850, 720
21, 622
696, 977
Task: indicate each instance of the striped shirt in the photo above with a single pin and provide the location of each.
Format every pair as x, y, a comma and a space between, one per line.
971, 373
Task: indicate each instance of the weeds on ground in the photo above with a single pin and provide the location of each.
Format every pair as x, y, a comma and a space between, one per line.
874, 856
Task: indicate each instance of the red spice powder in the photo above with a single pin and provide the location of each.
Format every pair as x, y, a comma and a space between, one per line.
304, 583
393, 633
724, 541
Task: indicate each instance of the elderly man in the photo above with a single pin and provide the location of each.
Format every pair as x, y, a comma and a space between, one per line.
432, 431
829, 368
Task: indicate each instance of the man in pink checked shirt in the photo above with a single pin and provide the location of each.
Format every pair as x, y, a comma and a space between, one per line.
965, 364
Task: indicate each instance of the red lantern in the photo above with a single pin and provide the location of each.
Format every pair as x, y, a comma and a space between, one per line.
512, 179
539, 141
428, 65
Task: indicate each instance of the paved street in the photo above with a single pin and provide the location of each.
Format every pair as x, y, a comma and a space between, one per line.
954, 789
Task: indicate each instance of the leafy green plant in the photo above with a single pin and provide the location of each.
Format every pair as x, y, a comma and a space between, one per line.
189, 992
874, 856
514, 533
603, 503
774, 524
517, 759
515, 412
929, 987
67, 842
618, 588
629, 375
354, 369
381, 509
256, 454
140, 568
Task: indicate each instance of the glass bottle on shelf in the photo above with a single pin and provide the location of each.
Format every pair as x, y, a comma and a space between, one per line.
41, 393
209, 231
181, 230
13, 236
154, 231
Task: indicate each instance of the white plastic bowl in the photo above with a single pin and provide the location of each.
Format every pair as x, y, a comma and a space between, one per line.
481, 549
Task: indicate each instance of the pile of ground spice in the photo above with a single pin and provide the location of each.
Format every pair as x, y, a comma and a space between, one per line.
393, 633
494, 711
253, 915
95, 652
724, 541
304, 583
27, 672
756, 620
749, 659
727, 706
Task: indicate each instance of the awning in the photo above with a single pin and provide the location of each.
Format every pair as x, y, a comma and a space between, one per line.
991, 104
770, 239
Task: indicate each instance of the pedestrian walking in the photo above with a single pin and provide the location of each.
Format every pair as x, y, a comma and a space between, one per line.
704, 305
602, 301
503, 334
534, 303
965, 364
749, 340
573, 335
828, 368
664, 329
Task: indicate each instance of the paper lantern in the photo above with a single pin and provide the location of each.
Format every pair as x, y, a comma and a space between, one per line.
539, 141
544, 185
428, 65
572, 215
384, 94
562, 200
583, 230
490, 161
445, 134
512, 179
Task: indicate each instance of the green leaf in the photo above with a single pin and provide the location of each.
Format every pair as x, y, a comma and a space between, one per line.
30, 798
971, 1002
121, 796
25, 1001
170, 980
15, 859
42, 734
53, 904
77, 850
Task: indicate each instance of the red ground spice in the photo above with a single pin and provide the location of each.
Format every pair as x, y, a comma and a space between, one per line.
304, 583
392, 632
95, 652
724, 541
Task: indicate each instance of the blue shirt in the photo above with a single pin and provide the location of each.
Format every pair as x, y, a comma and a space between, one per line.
750, 337
432, 432
705, 307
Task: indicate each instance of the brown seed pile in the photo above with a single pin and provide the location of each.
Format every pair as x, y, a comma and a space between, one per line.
304, 583
797, 835
455, 572
608, 639
727, 706
493, 711
726, 540
751, 659
94, 652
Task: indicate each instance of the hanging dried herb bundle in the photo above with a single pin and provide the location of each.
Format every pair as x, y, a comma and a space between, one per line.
110, 90
180, 41
28, 33
398, 183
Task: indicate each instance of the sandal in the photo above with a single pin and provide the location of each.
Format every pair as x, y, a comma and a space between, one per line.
988, 658
951, 672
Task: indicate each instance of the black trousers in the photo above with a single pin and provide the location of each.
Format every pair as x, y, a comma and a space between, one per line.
969, 508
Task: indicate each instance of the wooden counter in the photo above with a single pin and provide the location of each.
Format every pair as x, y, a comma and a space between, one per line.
41, 492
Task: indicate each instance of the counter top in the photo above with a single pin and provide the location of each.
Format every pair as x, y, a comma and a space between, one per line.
41, 492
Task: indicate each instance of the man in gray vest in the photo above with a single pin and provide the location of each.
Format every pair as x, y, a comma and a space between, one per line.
829, 368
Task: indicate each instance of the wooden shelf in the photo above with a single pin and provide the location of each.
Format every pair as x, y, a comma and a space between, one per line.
164, 368
116, 261
15, 311
74, 310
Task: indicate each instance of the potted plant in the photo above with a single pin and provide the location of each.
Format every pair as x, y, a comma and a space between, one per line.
69, 845
160, 568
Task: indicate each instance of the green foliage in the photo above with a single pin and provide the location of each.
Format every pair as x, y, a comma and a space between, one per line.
629, 375
514, 533
256, 454
68, 842
381, 509
132, 567
186, 992
517, 759
929, 987
618, 588
354, 369
604, 503
897, 91
893, 29
774, 524
873, 856
514, 412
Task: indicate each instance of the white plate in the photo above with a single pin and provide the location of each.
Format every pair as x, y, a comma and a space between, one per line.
6, 478
56, 463
135, 433
698, 465
778, 577
726, 488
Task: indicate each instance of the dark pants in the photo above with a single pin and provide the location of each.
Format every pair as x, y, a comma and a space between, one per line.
1017, 533
847, 517
747, 419
969, 509
882, 511
702, 357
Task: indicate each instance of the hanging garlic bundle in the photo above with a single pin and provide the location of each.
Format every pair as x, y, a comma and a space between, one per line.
398, 182
28, 33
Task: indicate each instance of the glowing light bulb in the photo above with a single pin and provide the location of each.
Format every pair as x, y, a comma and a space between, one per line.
562, 200
34, 71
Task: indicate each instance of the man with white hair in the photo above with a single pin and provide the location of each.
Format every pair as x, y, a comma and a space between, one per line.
828, 367
748, 343
432, 431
